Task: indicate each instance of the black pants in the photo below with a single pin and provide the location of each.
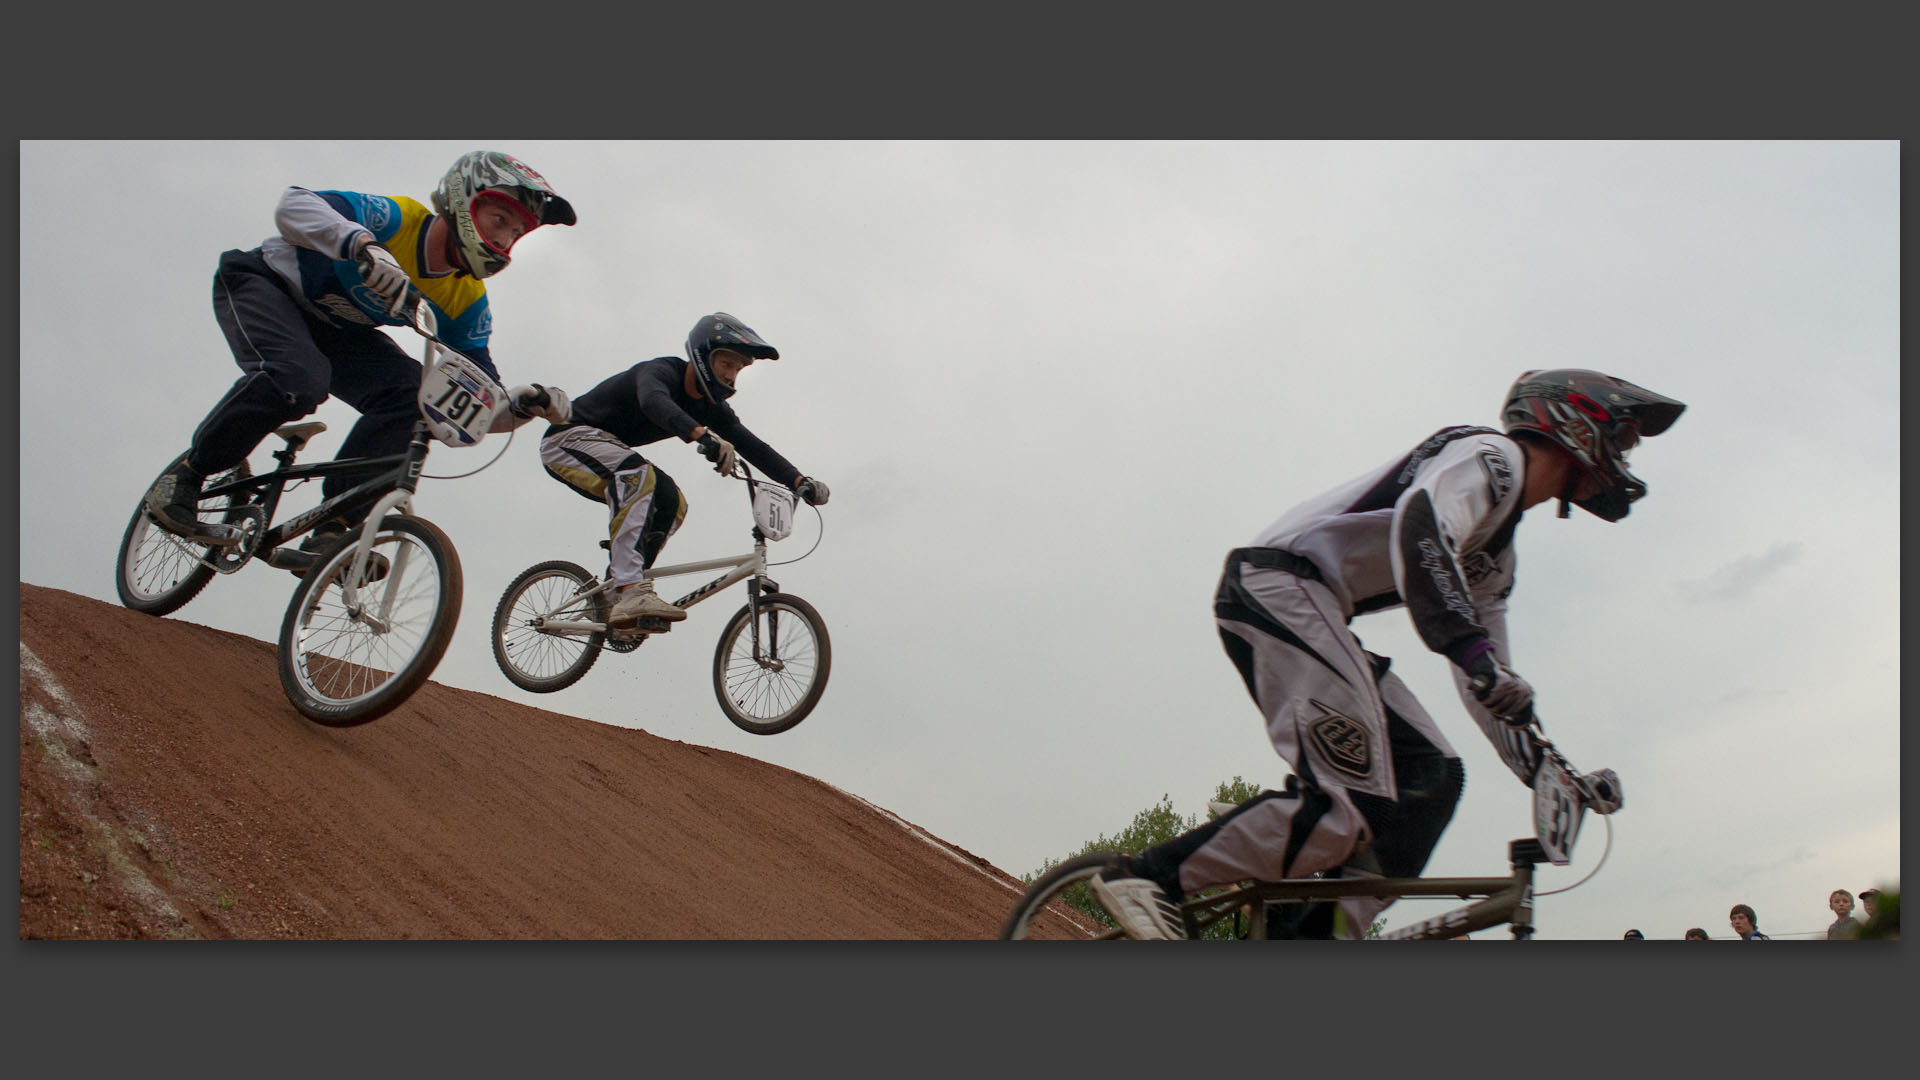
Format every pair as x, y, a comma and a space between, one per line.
290, 362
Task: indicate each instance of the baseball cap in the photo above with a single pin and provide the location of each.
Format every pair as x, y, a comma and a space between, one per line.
1633, 935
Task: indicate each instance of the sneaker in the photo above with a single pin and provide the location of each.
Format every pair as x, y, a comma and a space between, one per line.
1142, 908
174, 501
639, 601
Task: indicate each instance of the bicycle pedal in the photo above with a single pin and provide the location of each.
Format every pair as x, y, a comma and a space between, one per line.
653, 624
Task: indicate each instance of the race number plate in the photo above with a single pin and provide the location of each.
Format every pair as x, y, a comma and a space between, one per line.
773, 511
1556, 811
458, 399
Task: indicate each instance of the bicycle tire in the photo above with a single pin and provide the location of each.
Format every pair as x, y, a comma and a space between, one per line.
157, 573
336, 669
1048, 889
768, 701
544, 661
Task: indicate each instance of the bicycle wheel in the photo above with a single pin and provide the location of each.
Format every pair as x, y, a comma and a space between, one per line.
538, 659
342, 667
771, 692
158, 572
1062, 894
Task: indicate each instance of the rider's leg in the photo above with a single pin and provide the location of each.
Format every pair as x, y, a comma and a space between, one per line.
1428, 780
372, 373
283, 377
644, 507
1315, 686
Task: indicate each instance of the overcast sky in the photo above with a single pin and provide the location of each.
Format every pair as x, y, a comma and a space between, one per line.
1051, 384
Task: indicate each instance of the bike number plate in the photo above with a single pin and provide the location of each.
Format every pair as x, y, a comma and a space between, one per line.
458, 400
773, 511
1557, 811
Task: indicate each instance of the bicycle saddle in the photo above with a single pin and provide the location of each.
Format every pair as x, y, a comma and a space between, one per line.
298, 434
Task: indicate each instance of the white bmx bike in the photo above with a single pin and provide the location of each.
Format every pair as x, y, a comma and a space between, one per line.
769, 669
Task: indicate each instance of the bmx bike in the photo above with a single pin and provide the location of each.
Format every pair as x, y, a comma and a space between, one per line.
371, 619
1060, 900
769, 669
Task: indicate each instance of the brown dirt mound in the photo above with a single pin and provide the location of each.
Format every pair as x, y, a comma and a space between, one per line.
168, 790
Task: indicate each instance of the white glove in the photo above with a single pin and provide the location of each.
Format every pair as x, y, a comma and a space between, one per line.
384, 276
557, 410
719, 451
1602, 790
1504, 693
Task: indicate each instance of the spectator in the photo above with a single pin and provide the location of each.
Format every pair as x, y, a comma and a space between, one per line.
1746, 925
1870, 902
1696, 934
1633, 935
1845, 927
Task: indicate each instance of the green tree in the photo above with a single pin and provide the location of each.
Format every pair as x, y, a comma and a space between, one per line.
1156, 824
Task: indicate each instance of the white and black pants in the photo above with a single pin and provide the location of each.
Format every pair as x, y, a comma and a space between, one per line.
644, 504
1369, 762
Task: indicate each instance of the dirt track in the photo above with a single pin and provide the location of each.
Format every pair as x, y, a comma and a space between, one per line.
458, 816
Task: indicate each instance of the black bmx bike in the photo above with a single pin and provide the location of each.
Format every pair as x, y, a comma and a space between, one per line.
1059, 905
371, 619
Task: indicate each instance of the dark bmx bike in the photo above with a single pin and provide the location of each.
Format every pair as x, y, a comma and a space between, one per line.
1058, 904
371, 619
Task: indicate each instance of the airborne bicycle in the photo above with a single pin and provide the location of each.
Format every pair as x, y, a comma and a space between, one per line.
774, 655
1270, 909
372, 618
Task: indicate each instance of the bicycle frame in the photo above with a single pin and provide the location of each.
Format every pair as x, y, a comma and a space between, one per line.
1501, 900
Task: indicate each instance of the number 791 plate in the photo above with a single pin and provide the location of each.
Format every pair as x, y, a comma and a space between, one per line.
1557, 810
459, 398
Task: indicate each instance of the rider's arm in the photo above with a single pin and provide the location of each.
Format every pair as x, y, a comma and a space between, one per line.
1460, 513
756, 451
310, 220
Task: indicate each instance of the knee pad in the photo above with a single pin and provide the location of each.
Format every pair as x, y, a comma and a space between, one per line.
1407, 829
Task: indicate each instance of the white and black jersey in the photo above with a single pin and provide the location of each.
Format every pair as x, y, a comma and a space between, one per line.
1430, 530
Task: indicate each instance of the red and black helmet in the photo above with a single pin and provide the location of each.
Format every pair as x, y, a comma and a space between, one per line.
1597, 419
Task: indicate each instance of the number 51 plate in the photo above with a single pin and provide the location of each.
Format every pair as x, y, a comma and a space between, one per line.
1556, 811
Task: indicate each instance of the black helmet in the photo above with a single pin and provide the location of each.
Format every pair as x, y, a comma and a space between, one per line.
1595, 418
722, 331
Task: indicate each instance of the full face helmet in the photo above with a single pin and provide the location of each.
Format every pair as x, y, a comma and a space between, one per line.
1597, 419
722, 331
486, 177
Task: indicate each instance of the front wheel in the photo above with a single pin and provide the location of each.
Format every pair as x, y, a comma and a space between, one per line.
158, 572
769, 672
342, 666
1059, 904
534, 656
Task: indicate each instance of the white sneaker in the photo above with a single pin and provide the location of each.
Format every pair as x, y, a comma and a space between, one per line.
639, 601
1141, 908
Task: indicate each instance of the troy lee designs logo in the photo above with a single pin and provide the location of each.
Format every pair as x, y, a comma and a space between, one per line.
1499, 472
1440, 569
1342, 740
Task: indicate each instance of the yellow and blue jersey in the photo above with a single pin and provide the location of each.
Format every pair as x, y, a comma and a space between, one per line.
334, 287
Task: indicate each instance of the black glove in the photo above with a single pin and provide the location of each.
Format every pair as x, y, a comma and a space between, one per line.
811, 490
1504, 693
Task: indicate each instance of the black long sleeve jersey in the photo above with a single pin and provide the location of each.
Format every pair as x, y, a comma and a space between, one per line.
649, 402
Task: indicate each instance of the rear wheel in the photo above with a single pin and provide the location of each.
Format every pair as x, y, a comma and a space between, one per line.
770, 679
159, 572
532, 655
342, 666
1056, 905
